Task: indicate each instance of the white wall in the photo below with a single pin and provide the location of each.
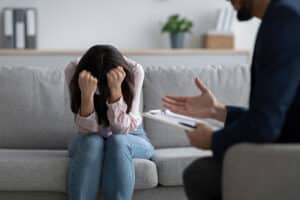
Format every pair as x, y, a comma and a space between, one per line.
128, 24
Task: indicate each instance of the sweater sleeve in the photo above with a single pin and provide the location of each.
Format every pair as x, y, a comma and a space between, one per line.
120, 121
84, 124
234, 113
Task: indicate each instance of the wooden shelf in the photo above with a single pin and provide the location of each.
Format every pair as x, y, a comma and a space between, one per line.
191, 57
126, 52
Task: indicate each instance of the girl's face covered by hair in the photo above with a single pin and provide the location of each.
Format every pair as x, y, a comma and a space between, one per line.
99, 61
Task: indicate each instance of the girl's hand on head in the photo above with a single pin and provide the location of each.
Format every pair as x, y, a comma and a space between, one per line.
115, 77
87, 84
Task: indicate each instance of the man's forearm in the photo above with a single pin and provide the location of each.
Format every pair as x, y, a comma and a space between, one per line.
220, 112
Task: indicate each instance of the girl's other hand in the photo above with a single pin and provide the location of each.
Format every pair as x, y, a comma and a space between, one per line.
88, 84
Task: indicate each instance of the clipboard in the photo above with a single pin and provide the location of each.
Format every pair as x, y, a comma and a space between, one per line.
173, 119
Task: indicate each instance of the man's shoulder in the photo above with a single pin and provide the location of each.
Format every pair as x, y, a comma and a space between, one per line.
292, 6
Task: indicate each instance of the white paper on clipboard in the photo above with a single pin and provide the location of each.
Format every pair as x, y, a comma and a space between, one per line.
170, 118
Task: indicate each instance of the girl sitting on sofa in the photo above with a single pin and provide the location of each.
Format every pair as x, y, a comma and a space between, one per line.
105, 89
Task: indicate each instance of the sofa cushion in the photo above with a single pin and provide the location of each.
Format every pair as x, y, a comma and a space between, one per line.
230, 84
34, 107
46, 170
171, 163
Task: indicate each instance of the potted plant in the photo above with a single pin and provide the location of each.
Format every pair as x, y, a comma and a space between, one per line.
177, 27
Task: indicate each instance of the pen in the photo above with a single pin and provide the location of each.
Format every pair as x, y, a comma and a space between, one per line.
188, 125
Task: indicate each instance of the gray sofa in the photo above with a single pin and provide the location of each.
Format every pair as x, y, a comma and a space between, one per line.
36, 126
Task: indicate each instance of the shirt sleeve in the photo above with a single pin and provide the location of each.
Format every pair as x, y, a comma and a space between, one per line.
69, 71
233, 113
120, 121
275, 87
87, 124
84, 124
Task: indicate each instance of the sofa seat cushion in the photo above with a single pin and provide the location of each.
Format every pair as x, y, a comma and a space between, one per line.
46, 170
171, 163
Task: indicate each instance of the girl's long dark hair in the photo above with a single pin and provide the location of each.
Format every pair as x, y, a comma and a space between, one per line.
99, 60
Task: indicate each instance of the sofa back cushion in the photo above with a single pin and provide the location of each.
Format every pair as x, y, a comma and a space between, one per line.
230, 84
34, 107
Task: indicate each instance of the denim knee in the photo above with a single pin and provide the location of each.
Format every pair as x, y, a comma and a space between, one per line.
116, 142
91, 147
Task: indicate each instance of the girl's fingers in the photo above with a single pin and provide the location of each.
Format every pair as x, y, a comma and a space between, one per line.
121, 72
118, 74
115, 74
110, 74
94, 80
120, 68
82, 74
88, 76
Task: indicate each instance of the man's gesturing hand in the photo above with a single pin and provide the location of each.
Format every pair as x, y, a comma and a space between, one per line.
204, 105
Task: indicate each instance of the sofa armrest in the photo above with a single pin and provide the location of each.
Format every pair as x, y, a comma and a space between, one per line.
262, 172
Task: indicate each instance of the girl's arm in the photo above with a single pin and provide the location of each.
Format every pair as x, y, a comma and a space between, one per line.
120, 121
86, 121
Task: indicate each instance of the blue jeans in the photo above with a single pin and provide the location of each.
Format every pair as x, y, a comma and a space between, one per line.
108, 162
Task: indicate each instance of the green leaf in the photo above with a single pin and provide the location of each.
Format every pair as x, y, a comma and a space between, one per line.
175, 24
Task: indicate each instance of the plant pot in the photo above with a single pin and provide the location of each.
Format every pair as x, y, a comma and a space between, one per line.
177, 40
